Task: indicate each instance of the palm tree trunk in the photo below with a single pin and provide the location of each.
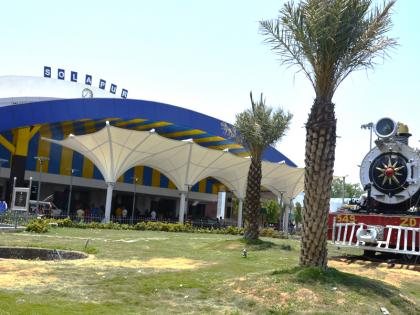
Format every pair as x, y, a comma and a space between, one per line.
252, 200
319, 164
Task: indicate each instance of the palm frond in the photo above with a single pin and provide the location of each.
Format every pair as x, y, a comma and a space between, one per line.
329, 39
258, 127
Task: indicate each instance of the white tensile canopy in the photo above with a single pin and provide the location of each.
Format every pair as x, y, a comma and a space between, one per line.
115, 150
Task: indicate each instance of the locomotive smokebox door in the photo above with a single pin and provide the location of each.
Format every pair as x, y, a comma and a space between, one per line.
391, 169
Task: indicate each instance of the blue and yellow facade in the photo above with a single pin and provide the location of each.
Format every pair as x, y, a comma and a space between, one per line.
22, 127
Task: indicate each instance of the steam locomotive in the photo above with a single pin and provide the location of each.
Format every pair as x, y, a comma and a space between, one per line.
389, 173
386, 218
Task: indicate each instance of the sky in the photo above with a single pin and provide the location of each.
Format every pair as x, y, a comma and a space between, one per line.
207, 56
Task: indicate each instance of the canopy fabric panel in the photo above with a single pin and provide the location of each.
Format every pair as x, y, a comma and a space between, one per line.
282, 179
114, 150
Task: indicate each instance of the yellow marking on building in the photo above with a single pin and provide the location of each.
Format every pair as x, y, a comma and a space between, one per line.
6, 143
243, 154
87, 172
121, 178
202, 185
154, 125
183, 133
34, 130
138, 173
66, 163
90, 126
44, 147
171, 185
155, 178
209, 139
129, 122
214, 188
22, 137
226, 146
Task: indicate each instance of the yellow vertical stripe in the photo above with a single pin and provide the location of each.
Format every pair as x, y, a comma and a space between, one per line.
22, 141
171, 185
87, 164
202, 185
44, 147
66, 163
139, 171
155, 178
121, 178
214, 188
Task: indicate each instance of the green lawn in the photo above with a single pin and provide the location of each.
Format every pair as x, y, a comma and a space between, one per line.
145, 272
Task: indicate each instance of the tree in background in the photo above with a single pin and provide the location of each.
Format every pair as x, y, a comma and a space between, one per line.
326, 40
272, 211
256, 129
297, 213
350, 190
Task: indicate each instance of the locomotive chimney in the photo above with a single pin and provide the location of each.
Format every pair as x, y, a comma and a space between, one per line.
402, 134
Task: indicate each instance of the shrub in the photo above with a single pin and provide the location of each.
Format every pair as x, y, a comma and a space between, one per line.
141, 226
270, 232
38, 226
149, 226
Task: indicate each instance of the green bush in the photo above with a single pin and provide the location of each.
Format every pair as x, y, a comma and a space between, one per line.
38, 226
157, 226
270, 232
141, 226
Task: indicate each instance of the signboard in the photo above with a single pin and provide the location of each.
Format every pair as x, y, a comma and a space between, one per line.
20, 199
61, 74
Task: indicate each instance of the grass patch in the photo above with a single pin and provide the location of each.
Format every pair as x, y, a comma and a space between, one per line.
154, 272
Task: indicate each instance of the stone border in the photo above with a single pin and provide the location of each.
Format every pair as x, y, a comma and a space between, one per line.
35, 253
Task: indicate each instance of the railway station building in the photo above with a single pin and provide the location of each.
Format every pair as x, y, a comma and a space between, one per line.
33, 108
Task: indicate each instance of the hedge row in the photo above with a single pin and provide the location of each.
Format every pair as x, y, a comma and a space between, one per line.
42, 226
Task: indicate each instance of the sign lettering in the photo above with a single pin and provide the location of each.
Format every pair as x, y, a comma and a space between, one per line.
88, 79
73, 76
61, 74
102, 84
47, 72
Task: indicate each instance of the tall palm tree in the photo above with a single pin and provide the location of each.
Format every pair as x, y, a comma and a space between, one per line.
327, 40
256, 129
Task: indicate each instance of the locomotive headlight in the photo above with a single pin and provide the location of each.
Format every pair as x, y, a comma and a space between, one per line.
386, 128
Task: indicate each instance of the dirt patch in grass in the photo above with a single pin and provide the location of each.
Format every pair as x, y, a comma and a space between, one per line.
177, 263
15, 276
18, 274
381, 272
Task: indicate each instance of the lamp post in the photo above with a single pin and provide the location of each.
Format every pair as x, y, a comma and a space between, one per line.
41, 160
1, 167
186, 200
72, 170
368, 126
344, 188
135, 180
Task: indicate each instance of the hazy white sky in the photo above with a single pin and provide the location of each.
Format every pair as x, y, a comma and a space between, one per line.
207, 56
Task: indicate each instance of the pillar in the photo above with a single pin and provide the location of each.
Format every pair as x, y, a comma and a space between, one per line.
182, 199
240, 206
109, 189
221, 203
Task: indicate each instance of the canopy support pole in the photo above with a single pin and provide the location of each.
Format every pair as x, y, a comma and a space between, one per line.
183, 198
240, 206
109, 189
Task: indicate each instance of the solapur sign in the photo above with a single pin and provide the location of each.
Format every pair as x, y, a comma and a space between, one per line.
61, 73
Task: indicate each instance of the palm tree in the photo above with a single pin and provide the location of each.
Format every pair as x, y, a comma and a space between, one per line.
256, 129
327, 40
